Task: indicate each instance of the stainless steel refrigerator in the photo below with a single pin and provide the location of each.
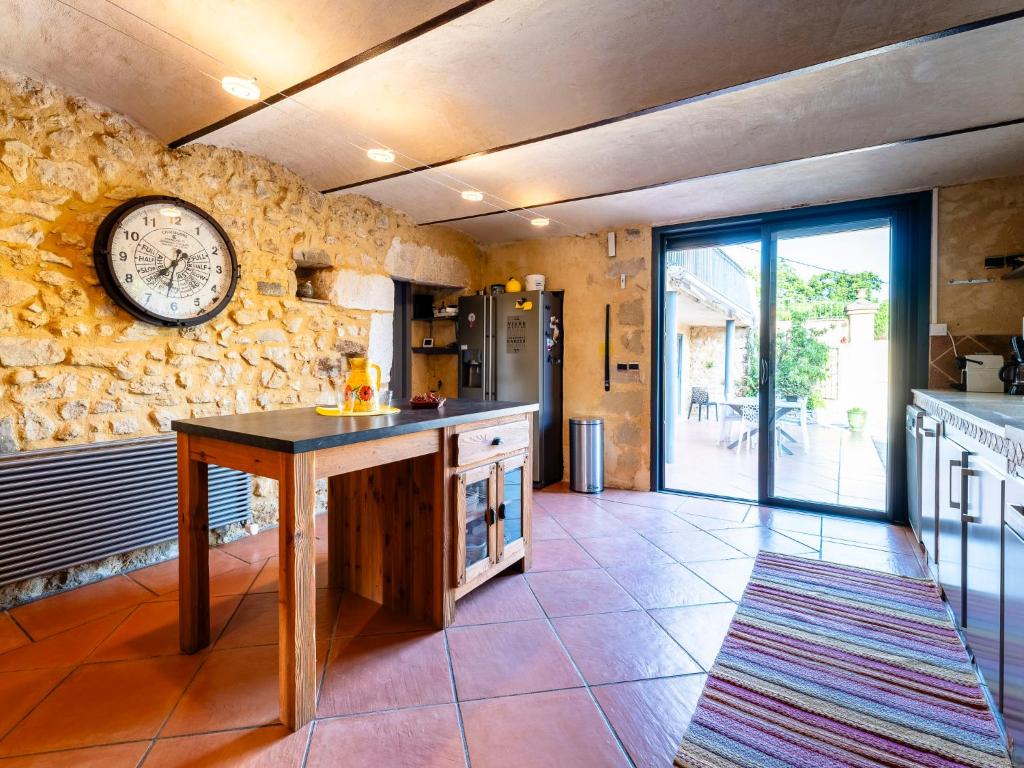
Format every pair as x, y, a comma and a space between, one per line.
510, 348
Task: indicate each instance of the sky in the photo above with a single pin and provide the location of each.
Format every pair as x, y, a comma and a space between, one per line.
851, 251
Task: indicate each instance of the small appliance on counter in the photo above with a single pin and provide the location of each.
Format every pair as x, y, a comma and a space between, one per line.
980, 373
1013, 372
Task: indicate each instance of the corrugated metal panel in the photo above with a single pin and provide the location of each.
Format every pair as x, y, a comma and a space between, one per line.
67, 506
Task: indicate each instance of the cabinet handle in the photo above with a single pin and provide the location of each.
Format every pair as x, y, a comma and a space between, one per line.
925, 432
952, 463
501, 511
496, 441
965, 494
489, 517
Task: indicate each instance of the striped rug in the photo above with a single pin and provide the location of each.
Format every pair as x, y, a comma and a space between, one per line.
829, 665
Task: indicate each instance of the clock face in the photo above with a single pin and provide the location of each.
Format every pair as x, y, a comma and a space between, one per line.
166, 261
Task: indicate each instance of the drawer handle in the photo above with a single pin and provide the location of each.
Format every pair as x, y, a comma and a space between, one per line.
496, 441
925, 432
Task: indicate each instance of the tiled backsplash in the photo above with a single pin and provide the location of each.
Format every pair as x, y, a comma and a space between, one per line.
942, 368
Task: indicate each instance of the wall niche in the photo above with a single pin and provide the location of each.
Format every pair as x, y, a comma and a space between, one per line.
313, 269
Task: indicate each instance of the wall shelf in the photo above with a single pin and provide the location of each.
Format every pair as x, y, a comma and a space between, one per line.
435, 350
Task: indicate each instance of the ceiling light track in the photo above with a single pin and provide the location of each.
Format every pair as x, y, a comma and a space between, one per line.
373, 52
598, 195
870, 53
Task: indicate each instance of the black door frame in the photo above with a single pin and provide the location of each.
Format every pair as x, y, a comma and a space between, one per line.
910, 268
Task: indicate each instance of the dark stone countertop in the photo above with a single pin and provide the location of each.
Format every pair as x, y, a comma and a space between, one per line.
298, 430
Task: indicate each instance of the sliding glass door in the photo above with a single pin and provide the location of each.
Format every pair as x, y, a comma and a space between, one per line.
776, 338
829, 409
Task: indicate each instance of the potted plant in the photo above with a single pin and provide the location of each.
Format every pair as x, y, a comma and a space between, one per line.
857, 418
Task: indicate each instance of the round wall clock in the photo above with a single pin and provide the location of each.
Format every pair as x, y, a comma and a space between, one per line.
165, 261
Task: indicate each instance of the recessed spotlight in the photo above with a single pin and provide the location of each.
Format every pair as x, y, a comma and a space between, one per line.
170, 212
242, 87
473, 195
381, 155
540, 221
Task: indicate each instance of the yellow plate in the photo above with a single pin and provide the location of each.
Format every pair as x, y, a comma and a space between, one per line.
326, 410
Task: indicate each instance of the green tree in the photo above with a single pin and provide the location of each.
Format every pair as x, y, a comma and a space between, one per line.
882, 321
802, 360
843, 286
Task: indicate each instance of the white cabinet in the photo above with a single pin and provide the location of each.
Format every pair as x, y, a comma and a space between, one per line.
952, 544
982, 493
928, 432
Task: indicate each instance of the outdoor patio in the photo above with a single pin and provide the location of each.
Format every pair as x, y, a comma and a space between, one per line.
837, 467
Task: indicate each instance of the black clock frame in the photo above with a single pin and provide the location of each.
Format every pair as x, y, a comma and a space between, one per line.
102, 253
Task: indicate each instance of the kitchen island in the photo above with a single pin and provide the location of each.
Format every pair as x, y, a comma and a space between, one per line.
422, 506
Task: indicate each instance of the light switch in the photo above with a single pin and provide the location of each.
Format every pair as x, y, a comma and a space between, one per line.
938, 329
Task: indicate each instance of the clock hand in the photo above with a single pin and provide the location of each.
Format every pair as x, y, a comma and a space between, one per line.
174, 268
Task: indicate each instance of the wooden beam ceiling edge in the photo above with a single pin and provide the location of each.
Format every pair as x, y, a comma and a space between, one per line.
931, 36
644, 187
373, 52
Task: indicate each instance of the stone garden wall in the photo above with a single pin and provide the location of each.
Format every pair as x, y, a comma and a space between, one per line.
75, 368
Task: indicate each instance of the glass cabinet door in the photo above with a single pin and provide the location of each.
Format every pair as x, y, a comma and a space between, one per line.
476, 517
512, 506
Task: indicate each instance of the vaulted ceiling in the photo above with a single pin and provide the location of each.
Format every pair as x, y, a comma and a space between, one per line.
593, 113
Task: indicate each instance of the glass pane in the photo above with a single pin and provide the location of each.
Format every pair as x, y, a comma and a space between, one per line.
476, 522
513, 505
711, 368
830, 415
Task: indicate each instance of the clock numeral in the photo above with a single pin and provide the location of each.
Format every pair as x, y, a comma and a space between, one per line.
215, 250
149, 222
129, 277
197, 230
148, 297
133, 236
220, 270
122, 256
196, 302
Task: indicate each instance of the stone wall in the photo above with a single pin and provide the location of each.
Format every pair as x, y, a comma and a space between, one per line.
74, 368
581, 267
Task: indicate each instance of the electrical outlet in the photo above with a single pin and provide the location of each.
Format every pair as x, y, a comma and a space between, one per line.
938, 329
622, 367
634, 366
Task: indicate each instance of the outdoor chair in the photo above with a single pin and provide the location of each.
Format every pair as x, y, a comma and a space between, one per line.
699, 397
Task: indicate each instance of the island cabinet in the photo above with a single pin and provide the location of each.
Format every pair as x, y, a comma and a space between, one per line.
422, 507
491, 485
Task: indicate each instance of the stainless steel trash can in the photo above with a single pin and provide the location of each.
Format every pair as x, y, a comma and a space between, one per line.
586, 454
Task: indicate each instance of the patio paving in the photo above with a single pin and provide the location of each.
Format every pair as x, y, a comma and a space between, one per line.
838, 467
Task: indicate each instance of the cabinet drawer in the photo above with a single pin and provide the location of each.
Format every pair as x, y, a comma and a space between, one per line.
490, 442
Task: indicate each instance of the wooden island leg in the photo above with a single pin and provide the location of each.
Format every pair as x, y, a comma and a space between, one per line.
193, 550
297, 592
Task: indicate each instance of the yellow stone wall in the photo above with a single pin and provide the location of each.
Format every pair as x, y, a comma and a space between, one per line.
976, 221
75, 368
581, 266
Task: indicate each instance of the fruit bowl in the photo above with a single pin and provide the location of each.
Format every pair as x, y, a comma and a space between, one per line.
428, 400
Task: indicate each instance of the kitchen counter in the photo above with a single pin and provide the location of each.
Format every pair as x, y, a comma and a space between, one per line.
994, 420
1000, 414
298, 430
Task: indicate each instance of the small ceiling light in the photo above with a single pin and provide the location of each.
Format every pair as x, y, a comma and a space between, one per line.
473, 195
170, 212
540, 221
243, 88
381, 155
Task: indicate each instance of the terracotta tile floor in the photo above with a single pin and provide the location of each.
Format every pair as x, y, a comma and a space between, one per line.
595, 658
